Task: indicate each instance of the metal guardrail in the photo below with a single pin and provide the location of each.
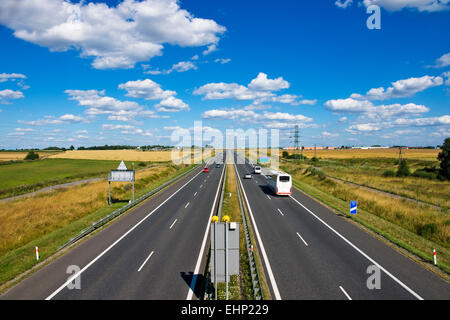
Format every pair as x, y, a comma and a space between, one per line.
121, 210
256, 283
219, 211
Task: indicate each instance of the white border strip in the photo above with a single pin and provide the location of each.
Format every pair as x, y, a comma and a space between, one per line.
116, 242
361, 252
145, 261
346, 294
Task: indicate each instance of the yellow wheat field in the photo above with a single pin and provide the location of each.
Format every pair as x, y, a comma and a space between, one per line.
419, 154
126, 155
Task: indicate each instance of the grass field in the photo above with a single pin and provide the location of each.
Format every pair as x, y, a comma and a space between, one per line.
415, 226
49, 219
23, 177
369, 172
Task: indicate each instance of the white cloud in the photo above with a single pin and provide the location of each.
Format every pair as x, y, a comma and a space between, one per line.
368, 110
222, 60
447, 75
443, 61
209, 49
326, 134
404, 88
117, 37
308, 101
348, 105
261, 89
146, 89
423, 122
268, 119
117, 127
172, 104
366, 127
420, 5
262, 83
64, 119
416, 122
183, 66
8, 94
221, 90
343, 3
11, 76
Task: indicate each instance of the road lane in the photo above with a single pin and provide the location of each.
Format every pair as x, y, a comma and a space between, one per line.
316, 271
107, 277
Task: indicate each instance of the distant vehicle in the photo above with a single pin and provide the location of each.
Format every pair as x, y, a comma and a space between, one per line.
217, 165
258, 170
248, 175
205, 170
280, 183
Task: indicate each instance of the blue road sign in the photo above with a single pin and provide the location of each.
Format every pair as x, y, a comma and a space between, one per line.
353, 206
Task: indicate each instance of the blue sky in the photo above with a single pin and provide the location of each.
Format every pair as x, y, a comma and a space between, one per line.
131, 72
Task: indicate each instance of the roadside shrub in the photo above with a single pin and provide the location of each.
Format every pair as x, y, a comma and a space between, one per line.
424, 174
32, 156
403, 169
285, 154
314, 159
427, 230
389, 173
142, 164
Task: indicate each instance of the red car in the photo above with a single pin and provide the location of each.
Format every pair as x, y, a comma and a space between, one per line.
205, 170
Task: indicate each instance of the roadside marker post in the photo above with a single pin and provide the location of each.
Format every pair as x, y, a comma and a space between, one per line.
434, 257
37, 253
353, 207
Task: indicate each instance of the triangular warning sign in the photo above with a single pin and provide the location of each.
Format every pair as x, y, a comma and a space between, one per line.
122, 166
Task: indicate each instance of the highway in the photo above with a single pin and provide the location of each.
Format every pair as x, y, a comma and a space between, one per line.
313, 253
154, 252
158, 250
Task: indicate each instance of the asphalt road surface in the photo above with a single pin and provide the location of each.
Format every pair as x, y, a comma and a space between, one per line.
313, 253
154, 252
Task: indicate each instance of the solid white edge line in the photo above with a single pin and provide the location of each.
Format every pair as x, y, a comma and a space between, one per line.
117, 241
202, 249
263, 250
302, 239
173, 224
346, 294
145, 261
361, 252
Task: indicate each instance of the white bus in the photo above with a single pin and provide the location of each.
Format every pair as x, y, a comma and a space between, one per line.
280, 183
